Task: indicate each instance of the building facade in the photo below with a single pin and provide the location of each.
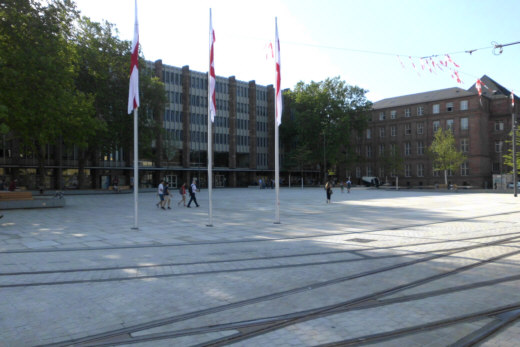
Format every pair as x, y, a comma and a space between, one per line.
481, 125
243, 138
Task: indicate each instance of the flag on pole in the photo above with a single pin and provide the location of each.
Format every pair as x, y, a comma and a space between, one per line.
512, 99
133, 93
212, 101
278, 99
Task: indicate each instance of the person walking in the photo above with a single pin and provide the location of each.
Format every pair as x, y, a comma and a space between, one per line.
160, 191
328, 190
349, 184
167, 197
192, 190
182, 192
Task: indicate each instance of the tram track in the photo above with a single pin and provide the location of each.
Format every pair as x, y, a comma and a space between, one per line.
264, 326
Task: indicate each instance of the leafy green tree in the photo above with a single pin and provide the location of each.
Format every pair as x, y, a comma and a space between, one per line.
324, 115
393, 162
37, 75
508, 157
104, 65
444, 152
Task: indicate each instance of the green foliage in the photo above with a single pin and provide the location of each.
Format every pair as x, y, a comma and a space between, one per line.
445, 154
320, 117
508, 157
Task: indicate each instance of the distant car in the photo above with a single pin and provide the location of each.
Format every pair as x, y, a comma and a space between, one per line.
510, 185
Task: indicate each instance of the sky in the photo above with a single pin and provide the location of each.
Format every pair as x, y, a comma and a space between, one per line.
372, 44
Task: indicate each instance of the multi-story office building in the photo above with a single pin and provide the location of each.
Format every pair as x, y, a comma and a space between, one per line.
243, 137
480, 125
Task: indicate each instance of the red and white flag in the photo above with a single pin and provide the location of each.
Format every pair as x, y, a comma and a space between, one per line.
133, 93
212, 77
278, 99
479, 86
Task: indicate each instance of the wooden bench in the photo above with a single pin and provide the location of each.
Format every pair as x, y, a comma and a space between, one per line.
16, 195
120, 188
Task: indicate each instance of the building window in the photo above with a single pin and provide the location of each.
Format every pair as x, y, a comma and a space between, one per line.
449, 124
358, 172
408, 129
407, 170
436, 173
369, 133
420, 170
464, 169
393, 148
436, 125
369, 151
498, 146
407, 148
436, 108
449, 107
381, 132
369, 171
420, 147
407, 112
381, 116
381, 172
464, 123
420, 110
464, 145
358, 150
420, 128
499, 125
464, 105
381, 149
393, 130
393, 114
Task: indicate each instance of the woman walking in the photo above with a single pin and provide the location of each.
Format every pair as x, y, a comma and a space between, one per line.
328, 189
182, 192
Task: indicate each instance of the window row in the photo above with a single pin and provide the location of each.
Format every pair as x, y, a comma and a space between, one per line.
420, 148
420, 128
408, 171
419, 110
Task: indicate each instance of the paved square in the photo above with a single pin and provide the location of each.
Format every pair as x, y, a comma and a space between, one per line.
385, 267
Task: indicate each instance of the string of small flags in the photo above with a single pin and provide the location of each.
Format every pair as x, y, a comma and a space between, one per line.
434, 65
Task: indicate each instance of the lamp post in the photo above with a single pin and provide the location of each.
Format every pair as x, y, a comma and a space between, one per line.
513, 126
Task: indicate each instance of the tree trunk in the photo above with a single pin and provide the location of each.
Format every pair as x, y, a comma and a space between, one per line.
40, 156
396, 182
446, 178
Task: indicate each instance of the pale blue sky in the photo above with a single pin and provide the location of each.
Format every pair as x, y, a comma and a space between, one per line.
327, 38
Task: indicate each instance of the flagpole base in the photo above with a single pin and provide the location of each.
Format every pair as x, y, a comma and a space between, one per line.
135, 228
277, 223
209, 225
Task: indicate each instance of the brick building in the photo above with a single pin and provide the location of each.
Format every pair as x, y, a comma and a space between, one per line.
480, 125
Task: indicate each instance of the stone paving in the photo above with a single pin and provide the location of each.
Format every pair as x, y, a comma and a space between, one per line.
81, 270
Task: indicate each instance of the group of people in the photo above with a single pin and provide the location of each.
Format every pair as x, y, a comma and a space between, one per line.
165, 196
328, 188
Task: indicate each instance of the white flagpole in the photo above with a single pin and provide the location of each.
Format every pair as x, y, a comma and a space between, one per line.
276, 139
136, 171
210, 145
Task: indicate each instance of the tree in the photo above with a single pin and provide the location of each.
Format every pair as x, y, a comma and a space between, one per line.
393, 162
508, 157
444, 153
37, 74
104, 63
324, 115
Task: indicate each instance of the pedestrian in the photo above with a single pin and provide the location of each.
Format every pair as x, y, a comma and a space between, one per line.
349, 184
192, 190
328, 190
160, 191
167, 197
116, 184
182, 192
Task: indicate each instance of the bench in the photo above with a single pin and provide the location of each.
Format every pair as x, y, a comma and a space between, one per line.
120, 188
16, 195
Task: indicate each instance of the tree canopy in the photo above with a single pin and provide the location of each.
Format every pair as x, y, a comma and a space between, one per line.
319, 121
445, 154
